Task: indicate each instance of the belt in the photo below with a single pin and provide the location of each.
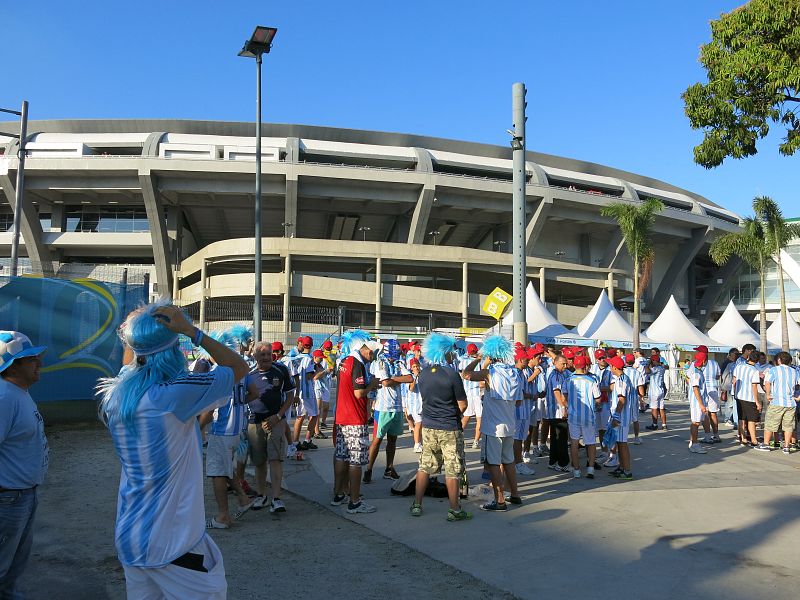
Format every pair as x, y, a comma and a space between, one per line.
191, 561
28, 489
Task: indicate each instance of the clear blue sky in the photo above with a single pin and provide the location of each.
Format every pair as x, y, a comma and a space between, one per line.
604, 78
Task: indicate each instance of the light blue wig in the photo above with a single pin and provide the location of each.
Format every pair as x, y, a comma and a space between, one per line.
220, 336
436, 347
241, 334
158, 359
497, 347
353, 340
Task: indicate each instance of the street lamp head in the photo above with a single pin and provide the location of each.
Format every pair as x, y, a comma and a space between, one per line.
259, 43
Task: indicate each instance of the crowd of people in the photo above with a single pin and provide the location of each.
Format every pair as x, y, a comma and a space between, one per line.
578, 407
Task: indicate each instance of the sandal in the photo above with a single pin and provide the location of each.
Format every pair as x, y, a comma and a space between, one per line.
212, 523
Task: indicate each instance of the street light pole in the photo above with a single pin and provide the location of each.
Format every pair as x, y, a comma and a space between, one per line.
258, 44
518, 211
20, 191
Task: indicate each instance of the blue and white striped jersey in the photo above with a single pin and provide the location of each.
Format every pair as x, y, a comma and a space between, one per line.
499, 399
784, 381
555, 381
712, 374
322, 386
523, 411
746, 375
472, 388
413, 398
622, 386
303, 365
657, 388
231, 418
697, 379
388, 398
636, 380
160, 513
582, 393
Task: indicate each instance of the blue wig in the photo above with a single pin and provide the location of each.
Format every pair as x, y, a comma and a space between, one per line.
436, 347
241, 334
353, 340
497, 347
158, 359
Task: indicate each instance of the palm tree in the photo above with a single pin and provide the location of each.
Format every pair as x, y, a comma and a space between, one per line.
636, 225
750, 245
777, 233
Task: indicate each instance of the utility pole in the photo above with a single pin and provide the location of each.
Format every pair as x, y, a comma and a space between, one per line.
518, 92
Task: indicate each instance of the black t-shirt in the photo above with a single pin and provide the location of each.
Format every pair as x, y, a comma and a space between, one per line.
273, 385
441, 388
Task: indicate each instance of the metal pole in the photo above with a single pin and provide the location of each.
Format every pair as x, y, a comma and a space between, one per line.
378, 278
518, 212
20, 191
257, 292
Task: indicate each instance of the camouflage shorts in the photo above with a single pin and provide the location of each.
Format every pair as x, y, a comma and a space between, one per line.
442, 448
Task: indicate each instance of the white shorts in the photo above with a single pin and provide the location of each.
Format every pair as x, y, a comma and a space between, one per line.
323, 396
176, 583
417, 417
521, 427
497, 450
219, 455
713, 401
695, 414
603, 415
474, 405
622, 432
657, 402
587, 432
308, 408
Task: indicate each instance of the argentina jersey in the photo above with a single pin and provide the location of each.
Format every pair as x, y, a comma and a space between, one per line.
231, 418
472, 388
556, 380
746, 375
623, 387
582, 393
783, 380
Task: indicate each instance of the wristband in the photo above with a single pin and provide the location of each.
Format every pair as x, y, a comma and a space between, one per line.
198, 337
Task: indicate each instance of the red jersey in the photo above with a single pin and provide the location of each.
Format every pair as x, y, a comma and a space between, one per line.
349, 409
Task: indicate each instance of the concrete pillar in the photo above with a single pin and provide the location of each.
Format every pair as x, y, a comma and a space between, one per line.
175, 282
203, 284
610, 287
464, 293
378, 291
287, 295
57, 221
541, 284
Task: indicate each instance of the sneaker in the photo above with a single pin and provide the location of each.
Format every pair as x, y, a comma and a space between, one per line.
320, 436
259, 503
526, 456
457, 515
553, 467
613, 461
277, 506
565, 469
590, 475
418, 448
514, 499
494, 506
652, 427
301, 446
390, 473
576, 473
625, 476
323, 425
338, 500
360, 507
523, 469
416, 509
476, 444
716, 439
763, 448
615, 472
696, 449
544, 451
535, 452
310, 445
291, 452
637, 441
707, 440
367, 476
786, 450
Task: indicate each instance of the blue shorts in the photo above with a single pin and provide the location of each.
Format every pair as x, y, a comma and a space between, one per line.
388, 422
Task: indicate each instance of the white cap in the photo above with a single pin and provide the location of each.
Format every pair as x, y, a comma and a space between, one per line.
374, 346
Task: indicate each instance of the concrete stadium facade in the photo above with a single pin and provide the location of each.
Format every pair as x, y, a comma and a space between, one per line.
383, 222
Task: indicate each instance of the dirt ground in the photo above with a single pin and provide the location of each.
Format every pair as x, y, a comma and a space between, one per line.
318, 552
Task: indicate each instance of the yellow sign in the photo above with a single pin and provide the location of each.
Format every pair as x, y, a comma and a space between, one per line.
496, 303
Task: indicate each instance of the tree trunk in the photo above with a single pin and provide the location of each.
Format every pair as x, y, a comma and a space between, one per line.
636, 316
784, 315
762, 321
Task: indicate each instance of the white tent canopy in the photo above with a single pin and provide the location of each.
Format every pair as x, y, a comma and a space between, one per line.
774, 332
604, 323
733, 331
672, 327
542, 325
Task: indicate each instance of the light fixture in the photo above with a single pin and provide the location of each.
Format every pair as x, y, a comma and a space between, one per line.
259, 43
364, 229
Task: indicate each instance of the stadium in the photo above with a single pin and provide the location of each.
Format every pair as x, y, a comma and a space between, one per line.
360, 228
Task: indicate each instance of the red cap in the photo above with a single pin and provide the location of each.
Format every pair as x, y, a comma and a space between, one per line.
307, 341
327, 345
413, 362
611, 352
536, 350
277, 346
700, 358
568, 352
617, 362
655, 358
300, 340
520, 354
702, 348
416, 347
630, 359
598, 354
581, 361
471, 348
318, 354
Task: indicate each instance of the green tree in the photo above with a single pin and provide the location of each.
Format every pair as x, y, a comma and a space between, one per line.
636, 225
753, 69
750, 245
777, 234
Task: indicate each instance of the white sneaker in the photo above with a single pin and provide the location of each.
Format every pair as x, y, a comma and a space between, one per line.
292, 451
535, 452
576, 474
697, 449
637, 441
523, 469
613, 461
361, 507
475, 444
418, 448
526, 456
277, 506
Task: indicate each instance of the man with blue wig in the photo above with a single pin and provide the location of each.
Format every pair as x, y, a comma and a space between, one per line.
151, 410
443, 404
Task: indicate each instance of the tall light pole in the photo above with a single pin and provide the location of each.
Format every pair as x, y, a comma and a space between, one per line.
518, 92
259, 43
20, 191
364, 229
435, 233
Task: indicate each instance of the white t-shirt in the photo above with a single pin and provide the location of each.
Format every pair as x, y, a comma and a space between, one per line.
160, 514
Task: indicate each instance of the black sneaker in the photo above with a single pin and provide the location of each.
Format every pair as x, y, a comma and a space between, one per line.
323, 425
338, 500
301, 446
651, 427
598, 466
589, 475
310, 445
616, 472
367, 476
515, 500
390, 473
494, 506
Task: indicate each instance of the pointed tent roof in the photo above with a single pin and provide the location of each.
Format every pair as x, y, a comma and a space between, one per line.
672, 327
733, 331
540, 320
774, 333
604, 323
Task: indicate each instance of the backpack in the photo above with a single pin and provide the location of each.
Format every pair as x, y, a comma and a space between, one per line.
407, 486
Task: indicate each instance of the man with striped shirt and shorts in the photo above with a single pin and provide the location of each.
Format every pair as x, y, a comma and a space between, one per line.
522, 411
555, 413
583, 396
712, 375
602, 373
474, 396
657, 392
745, 385
698, 400
624, 398
782, 387
536, 388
